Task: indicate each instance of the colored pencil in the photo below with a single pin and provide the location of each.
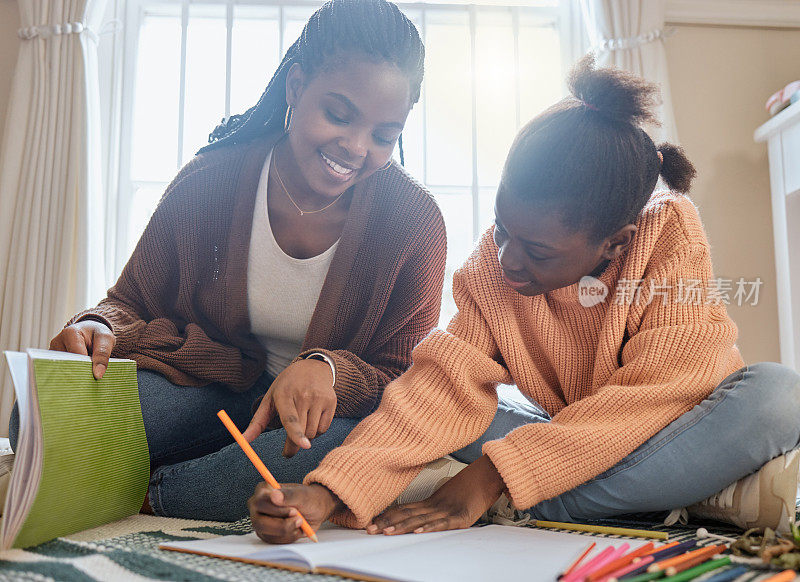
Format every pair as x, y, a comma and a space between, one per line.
615, 565
602, 529
617, 574
646, 577
577, 561
656, 549
695, 560
667, 553
581, 572
612, 557
260, 466
674, 550
728, 575
697, 570
784, 576
705, 552
661, 547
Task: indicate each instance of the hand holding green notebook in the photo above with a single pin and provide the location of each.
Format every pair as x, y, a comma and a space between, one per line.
82, 457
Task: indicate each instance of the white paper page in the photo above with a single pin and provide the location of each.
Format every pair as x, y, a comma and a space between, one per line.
336, 545
20, 488
247, 546
494, 552
18, 365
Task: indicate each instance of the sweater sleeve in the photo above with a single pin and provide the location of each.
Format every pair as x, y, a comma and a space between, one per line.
412, 311
444, 402
677, 353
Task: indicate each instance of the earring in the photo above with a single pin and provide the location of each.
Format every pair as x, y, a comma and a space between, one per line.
287, 122
386, 167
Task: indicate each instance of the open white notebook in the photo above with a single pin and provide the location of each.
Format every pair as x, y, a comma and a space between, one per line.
479, 554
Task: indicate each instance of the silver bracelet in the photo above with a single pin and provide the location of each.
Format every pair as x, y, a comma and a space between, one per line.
324, 358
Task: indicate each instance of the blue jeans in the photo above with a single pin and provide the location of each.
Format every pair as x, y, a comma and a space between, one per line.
750, 418
200, 473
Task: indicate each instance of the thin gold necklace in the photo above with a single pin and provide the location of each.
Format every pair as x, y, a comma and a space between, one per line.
289, 196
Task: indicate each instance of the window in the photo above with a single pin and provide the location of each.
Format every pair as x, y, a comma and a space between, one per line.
489, 68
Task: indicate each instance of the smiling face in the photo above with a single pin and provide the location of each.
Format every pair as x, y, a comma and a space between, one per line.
538, 253
346, 120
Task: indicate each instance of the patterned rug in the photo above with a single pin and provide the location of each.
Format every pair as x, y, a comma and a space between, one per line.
128, 550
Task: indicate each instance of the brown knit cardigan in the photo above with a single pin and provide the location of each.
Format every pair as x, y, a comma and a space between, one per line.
180, 305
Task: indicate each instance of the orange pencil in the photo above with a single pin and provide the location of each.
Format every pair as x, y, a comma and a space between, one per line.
706, 553
784, 576
619, 562
260, 466
696, 560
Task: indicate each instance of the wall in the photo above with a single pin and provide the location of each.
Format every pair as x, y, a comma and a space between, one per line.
9, 45
720, 78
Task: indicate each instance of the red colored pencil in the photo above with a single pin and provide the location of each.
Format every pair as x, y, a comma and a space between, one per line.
577, 561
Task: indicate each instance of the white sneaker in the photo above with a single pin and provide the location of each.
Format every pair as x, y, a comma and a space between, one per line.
767, 498
430, 479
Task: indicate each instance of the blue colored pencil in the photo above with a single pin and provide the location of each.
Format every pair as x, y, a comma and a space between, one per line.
663, 555
728, 575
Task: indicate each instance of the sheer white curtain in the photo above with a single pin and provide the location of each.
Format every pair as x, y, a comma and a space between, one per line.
51, 206
630, 34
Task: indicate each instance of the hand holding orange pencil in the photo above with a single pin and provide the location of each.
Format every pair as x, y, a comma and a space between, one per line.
260, 466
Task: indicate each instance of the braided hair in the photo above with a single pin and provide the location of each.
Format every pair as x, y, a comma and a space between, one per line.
375, 28
588, 156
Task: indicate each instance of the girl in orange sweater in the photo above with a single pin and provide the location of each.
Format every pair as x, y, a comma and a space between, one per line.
596, 297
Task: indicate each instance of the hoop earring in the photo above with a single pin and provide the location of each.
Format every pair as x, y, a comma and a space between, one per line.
287, 122
386, 167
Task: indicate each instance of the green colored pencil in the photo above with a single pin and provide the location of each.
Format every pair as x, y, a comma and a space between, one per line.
646, 577
697, 570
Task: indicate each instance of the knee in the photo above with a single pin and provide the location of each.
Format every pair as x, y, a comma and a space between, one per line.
776, 394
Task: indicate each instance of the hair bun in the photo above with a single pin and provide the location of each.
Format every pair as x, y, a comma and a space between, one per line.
676, 169
614, 93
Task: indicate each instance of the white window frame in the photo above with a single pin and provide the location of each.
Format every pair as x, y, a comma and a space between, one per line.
120, 91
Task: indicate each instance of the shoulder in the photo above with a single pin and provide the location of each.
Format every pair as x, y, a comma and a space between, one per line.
481, 270
218, 164
211, 176
407, 204
673, 219
669, 233
395, 185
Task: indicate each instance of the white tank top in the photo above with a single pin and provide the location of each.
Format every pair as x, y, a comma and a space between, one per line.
282, 291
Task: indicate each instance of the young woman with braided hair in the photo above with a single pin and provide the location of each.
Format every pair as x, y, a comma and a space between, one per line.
291, 259
644, 401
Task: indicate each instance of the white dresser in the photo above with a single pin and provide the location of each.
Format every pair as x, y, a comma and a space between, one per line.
782, 134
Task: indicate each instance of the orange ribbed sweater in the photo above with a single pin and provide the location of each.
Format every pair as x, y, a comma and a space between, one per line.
611, 375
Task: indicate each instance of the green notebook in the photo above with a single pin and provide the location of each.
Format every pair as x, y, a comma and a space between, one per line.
82, 457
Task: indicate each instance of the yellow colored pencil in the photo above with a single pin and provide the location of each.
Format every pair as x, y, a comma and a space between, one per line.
260, 466
602, 529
